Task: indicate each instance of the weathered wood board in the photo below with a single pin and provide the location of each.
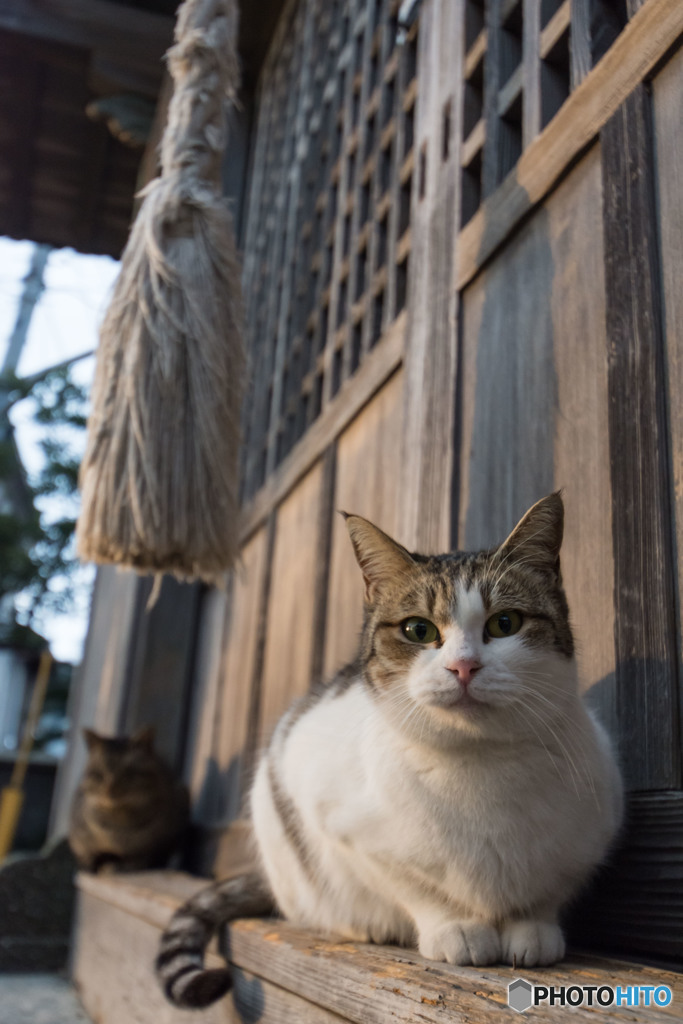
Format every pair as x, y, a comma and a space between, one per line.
368, 478
287, 975
376, 984
291, 601
645, 629
429, 403
224, 766
206, 687
535, 403
668, 123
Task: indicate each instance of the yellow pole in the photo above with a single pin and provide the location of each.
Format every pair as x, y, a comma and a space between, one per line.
12, 796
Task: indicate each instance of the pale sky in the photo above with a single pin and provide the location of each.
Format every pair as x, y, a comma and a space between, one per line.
65, 323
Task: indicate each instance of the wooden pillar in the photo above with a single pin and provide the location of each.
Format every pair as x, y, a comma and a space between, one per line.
645, 629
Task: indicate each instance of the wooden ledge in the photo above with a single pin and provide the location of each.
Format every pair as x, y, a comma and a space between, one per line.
289, 976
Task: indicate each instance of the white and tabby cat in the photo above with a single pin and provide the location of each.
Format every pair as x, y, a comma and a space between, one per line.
450, 790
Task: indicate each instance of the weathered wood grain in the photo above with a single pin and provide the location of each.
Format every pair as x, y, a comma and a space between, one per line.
581, 439
368, 483
278, 964
431, 341
645, 629
160, 665
223, 770
324, 554
509, 388
668, 104
113, 954
207, 681
531, 101
650, 34
535, 405
291, 601
377, 984
339, 295
490, 175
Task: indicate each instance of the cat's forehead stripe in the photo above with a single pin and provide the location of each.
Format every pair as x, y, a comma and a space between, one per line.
469, 603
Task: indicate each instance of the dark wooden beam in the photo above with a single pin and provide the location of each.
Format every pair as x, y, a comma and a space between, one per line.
635, 904
25, 130
117, 35
645, 625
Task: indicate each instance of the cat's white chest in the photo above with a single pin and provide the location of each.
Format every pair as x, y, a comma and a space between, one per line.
486, 831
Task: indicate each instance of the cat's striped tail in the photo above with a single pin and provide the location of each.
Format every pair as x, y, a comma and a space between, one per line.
180, 962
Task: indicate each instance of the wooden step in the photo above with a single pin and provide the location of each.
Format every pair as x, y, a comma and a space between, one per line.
287, 976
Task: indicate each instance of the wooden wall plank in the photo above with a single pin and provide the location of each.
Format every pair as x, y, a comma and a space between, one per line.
668, 103
368, 483
581, 443
206, 685
645, 631
431, 342
322, 569
220, 789
509, 388
159, 674
291, 602
535, 405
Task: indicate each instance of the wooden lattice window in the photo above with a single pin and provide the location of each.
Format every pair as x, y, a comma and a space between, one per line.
328, 239
523, 58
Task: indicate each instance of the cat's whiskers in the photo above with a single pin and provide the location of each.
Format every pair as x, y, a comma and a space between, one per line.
523, 708
396, 703
574, 771
564, 716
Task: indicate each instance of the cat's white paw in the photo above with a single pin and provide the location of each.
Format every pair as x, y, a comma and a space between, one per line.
532, 943
461, 942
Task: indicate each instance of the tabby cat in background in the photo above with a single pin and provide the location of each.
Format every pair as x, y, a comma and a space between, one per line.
129, 812
449, 790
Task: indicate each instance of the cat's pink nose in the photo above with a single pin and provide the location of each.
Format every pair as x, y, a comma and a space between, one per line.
464, 669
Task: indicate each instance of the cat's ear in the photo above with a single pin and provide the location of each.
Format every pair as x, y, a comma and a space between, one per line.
537, 537
92, 740
380, 558
144, 737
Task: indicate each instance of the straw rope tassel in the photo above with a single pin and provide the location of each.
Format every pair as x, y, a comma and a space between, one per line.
160, 474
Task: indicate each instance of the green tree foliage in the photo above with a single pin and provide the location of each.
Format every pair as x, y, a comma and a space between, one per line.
37, 550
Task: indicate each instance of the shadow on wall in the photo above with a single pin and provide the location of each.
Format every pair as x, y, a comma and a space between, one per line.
217, 804
632, 904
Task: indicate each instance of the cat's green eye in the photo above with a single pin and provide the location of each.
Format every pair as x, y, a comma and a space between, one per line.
420, 631
502, 624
